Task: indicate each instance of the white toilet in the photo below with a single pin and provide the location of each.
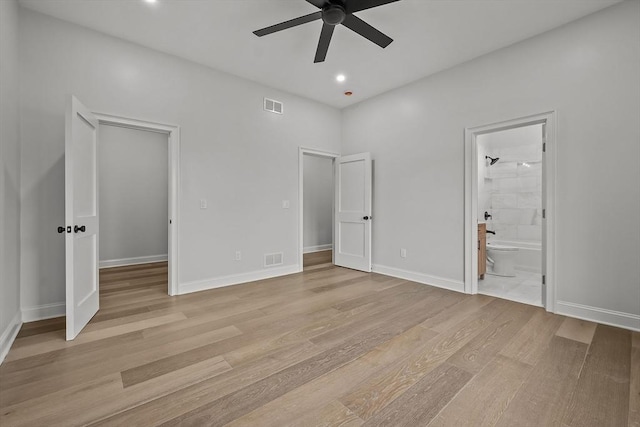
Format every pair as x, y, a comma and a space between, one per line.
503, 259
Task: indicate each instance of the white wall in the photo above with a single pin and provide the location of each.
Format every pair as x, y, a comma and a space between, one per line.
9, 176
242, 159
318, 202
588, 72
133, 181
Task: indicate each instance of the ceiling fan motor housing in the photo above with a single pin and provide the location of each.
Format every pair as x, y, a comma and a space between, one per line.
333, 14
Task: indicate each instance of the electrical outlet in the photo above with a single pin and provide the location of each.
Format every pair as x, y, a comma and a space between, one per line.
238, 256
403, 253
203, 203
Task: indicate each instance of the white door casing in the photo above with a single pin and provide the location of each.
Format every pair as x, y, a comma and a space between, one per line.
81, 215
543, 266
548, 119
173, 133
352, 239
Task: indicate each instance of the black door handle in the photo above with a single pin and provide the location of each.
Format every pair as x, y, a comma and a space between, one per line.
365, 218
61, 229
81, 228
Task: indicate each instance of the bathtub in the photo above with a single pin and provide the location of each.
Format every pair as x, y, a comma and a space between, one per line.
529, 257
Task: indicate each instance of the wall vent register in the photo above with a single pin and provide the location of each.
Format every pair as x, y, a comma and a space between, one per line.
273, 106
273, 259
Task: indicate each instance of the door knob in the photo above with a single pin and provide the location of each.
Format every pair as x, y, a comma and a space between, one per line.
365, 218
81, 228
60, 229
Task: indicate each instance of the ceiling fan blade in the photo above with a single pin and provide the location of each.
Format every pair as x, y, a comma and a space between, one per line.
317, 3
367, 31
358, 5
323, 43
288, 24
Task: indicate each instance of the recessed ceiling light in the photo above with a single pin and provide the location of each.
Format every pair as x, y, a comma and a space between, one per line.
150, 1
340, 77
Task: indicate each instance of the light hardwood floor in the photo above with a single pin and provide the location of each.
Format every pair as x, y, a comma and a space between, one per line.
329, 346
315, 258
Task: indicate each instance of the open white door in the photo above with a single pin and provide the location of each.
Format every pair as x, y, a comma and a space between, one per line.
352, 242
543, 267
81, 216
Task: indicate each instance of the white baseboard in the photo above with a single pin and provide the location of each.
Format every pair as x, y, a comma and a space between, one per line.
439, 282
9, 335
599, 315
318, 248
133, 261
41, 312
236, 279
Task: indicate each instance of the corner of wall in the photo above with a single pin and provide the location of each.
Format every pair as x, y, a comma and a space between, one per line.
9, 335
11, 155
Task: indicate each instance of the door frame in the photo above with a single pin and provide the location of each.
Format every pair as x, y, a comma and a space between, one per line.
301, 153
548, 202
173, 134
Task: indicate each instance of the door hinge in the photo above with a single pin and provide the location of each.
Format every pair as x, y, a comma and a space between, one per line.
544, 147
544, 213
544, 279
170, 222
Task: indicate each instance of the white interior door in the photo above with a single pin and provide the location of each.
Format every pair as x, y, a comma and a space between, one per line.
352, 242
543, 267
81, 216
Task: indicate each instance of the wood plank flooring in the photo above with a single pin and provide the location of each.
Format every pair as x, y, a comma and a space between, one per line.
329, 346
317, 258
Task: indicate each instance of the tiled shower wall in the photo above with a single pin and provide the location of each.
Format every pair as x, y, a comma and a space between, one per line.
513, 191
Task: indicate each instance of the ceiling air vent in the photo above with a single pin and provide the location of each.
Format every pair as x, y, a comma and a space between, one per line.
273, 106
273, 259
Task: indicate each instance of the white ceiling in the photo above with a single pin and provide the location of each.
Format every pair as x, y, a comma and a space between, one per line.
429, 36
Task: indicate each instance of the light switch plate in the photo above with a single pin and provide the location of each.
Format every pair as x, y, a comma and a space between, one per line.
285, 204
203, 203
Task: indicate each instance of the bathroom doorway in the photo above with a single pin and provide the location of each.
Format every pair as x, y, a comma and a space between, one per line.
508, 200
510, 207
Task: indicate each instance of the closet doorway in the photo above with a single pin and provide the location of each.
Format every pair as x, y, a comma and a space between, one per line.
317, 197
82, 207
141, 204
133, 205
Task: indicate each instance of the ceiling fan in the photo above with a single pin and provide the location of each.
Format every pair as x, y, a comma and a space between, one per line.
333, 13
